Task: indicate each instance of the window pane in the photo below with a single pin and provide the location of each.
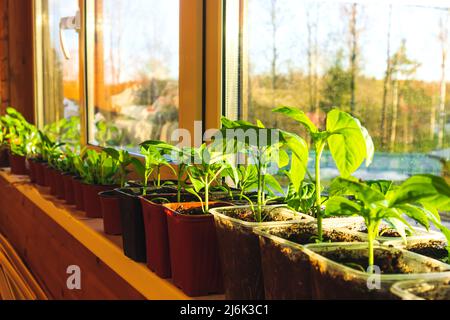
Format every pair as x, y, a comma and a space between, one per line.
136, 72
58, 75
385, 63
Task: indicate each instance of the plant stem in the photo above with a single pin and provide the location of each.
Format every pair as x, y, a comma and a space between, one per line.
371, 239
207, 196
319, 150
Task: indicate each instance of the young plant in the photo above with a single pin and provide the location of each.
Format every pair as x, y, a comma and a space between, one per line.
419, 198
349, 143
182, 158
18, 130
155, 153
207, 168
265, 150
97, 168
124, 161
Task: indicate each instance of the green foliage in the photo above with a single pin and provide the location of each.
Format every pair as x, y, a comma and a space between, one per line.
419, 198
265, 149
349, 142
124, 160
97, 168
17, 131
64, 130
155, 153
107, 134
208, 165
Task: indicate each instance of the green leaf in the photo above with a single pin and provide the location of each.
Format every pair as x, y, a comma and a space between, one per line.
383, 186
273, 184
299, 116
429, 189
300, 154
139, 167
340, 206
346, 142
361, 191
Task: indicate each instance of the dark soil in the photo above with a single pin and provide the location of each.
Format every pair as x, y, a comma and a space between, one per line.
390, 262
430, 291
269, 214
306, 233
194, 211
435, 249
385, 230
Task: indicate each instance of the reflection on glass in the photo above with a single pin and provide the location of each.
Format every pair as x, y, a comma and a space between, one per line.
59, 76
136, 72
385, 63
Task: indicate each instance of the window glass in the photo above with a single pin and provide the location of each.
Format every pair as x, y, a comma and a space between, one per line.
136, 72
58, 68
385, 62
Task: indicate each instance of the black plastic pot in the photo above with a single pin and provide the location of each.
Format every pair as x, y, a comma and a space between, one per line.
4, 158
133, 230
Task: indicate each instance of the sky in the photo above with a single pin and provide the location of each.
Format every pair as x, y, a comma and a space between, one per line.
415, 21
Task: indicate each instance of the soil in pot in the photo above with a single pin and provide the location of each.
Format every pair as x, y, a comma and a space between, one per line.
92, 205
339, 272
69, 192
193, 249
78, 193
435, 249
157, 234
4, 157
133, 230
18, 165
285, 265
239, 249
110, 204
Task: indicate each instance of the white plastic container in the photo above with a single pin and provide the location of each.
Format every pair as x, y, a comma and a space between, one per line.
435, 288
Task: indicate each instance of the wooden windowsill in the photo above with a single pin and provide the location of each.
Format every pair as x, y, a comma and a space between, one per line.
89, 232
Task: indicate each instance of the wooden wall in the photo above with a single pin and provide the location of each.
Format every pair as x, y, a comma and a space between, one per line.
16, 56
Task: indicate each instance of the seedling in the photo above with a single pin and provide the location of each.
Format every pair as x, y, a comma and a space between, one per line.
349, 143
97, 168
124, 160
419, 198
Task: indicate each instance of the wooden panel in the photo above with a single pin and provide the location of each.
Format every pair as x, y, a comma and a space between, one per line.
21, 65
48, 250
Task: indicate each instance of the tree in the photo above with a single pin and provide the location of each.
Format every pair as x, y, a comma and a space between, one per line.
312, 26
336, 90
387, 79
443, 38
402, 69
274, 26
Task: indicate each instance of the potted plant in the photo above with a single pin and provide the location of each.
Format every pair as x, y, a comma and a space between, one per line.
98, 174
18, 131
77, 183
4, 157
194, 256
342, 270
69, 172
238, 245
155, 218
133, 230
110, 200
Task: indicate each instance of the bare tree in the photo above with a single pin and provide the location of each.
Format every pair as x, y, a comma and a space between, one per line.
443, 38
312, 26
274, 26
354, 34
387, 79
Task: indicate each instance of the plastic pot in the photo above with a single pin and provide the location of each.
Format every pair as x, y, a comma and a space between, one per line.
194, 254
431, 248
434, 288
239, 250
78, 193
52, 181
92, 205
333, 280
4, 157
419, 233
33, 170
157, 233
69, 192
133, 231
18, 165
39, 173
110, 204
59, 184
285, 261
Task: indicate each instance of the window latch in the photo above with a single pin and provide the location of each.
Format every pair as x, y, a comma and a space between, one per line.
68, 23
